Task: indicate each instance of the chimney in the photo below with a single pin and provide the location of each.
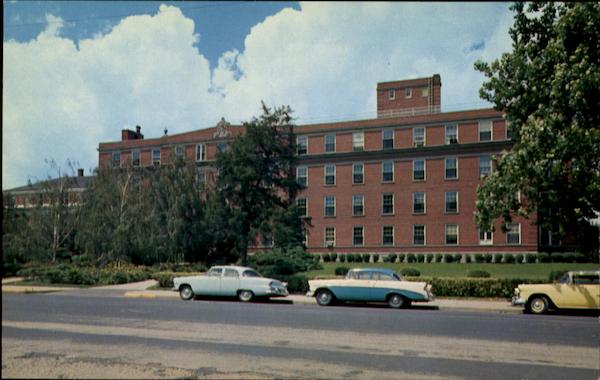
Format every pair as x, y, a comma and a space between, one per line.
127, 134
79, 172
138, 129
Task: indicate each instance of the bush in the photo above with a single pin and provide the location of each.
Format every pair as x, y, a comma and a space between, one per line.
497, 258
519, 258
579, 258
487, 258
479, 258
557, 258
333, 257
543, 257
341, 271
478, 273
410, 272
468, 259
410, 258
326, 258
342, 258
509, 258
530, 259
420, 258
473, 287
457, 258
366, 257
285, 262
429, 258
358, 258
77, 275
394, 257
297, 283
386, 259
448, 258
375, 258
438, 258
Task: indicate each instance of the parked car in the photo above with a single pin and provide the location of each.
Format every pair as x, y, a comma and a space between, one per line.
370, 285
229, 281
575, 290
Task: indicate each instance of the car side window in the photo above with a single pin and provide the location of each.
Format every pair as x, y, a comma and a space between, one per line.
231, 273
352, 275
586, 279
364, 275
215, 272
382, 277
564, 279
250, 273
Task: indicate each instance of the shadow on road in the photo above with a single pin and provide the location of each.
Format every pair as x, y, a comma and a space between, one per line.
574, 313
255, 300
385, 306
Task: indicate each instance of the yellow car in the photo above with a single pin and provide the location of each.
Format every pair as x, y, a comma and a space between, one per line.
575, 290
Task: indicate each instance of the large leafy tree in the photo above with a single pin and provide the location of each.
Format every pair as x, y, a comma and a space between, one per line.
549, 89
256, 177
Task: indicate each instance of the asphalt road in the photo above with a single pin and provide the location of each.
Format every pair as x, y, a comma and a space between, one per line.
96, 333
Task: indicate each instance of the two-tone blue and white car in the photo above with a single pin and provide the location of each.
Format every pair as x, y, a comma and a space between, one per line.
370, 285
229, 281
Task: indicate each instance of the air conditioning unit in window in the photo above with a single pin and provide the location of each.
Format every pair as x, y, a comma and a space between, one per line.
329, 245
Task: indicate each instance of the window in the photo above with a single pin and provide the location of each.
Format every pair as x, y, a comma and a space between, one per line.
508, 130
357, 236
250, 273
408, 93
222, 147
419, 203
155, 157
486, 237
387, 171
392, 94
357, 173
425, 92
451, 164
302, 144
485, 165
388, 139
586, 279
302, 175
485, 130
267, 240
451, 234
387, 204
215, 272
330, 236
513, 233
301, 203
451, 202
179, 151
200, 178
358, 205
418, 170
419, 136
135, 158
419, 234
451, 134
388, 235
330, 174
358, 141
329, 143
329, 205
116, 158
231, 273
200, 152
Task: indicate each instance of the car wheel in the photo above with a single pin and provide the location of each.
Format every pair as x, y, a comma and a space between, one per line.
324, 297
245, 295
396, 301
537, 305
186, 293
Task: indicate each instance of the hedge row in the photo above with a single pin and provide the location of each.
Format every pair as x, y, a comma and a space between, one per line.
497, 258
70, 274
472, 287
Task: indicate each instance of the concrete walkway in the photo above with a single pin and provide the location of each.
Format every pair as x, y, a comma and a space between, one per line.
139, 290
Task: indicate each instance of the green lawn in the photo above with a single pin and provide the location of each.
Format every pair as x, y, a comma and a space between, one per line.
40, 283
524, 271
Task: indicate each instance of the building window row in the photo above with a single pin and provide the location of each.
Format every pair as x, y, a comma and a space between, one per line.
419, 235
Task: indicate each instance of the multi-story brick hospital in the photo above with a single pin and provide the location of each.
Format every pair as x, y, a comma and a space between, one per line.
404, 182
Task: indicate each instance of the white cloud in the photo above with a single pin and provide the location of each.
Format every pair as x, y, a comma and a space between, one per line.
62, 99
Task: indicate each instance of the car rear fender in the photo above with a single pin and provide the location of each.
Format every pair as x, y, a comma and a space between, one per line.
409, 295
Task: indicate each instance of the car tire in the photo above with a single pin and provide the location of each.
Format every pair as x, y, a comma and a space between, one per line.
396, 301
245, 295
185, 292
324, 297
537, 305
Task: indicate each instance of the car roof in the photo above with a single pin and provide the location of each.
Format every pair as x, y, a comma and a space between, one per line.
238, 268
381, 270
596, 272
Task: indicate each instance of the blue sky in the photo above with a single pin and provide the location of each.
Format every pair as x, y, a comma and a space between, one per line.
76, 73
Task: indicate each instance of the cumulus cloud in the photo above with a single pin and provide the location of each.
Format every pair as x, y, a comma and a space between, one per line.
62, 97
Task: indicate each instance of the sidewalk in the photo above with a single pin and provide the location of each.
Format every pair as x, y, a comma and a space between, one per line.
138, 290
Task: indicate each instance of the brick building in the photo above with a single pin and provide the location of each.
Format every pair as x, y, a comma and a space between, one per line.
404, 182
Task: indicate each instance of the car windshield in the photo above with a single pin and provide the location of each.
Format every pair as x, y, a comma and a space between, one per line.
251, 273
564, 279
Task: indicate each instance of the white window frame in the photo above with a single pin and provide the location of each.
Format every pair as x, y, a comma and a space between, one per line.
424, 234
305, 205
479, 166
486, 240
392, 94
446, 202
325, 241
298, 168
358, 137
200, 152
383, 171
424, 203
325, 206
446, 234
159, 157
325, 142
383, 131
362, 228
325, 174
354, 165
414, 135
424, 171
518, 231
298, 145
383, 204
383, 235
362, 203
446, 137
408, 93
491, 124
446, 168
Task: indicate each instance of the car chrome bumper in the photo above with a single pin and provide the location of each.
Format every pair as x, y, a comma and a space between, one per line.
277, 292
310, 294
516, 301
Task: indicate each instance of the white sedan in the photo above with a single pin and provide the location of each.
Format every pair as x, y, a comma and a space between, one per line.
229, 281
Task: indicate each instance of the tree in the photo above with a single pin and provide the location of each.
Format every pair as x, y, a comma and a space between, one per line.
256, 174
548, 86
